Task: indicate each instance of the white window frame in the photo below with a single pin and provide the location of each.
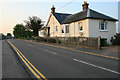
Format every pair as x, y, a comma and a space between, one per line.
105, 26
65, 28
80, 26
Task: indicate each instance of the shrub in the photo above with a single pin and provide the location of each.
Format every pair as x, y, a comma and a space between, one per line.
116, 39
103, 42
41, 39
58, 41
51, 40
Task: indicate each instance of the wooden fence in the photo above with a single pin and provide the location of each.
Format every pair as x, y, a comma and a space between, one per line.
90, 42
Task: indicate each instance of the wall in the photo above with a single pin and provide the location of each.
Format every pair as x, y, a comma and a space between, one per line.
41, 33
94, 29
52, 24
119, 17
73, 29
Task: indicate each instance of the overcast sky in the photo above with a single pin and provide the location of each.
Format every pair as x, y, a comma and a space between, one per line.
14, 12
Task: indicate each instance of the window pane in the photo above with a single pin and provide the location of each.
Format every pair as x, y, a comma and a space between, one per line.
105, 25
67, 28
56, 29
102, 25
80, 26
62, 30
99, 25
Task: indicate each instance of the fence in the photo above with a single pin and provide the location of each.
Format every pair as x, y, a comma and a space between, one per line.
80, 41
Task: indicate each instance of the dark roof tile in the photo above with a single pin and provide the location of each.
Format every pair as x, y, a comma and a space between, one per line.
60, 16
68, 18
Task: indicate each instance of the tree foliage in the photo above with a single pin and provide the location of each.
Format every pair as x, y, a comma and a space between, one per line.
34, 23
9, 35
19, 31
116, 39
2, 36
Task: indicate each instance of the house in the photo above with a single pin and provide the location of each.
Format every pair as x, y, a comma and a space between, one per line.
41, 32
119, 17
86, 23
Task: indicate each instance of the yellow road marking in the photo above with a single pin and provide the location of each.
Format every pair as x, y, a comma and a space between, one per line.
78, 50
35, 74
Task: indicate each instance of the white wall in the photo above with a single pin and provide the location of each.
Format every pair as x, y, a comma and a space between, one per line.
52, 24
41, 33
94, 29
119, 17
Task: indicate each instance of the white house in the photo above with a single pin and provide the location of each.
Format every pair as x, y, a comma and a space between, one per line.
41, 32
86, 23
119, 17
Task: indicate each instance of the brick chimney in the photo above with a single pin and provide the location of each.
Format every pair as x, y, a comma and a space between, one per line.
53, 9
85, 6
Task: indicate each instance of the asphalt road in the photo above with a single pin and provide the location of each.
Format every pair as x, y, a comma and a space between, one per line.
55, 62
11, 67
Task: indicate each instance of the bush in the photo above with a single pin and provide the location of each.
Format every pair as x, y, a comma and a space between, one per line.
51, 40
116, 39
103, 42
41, 39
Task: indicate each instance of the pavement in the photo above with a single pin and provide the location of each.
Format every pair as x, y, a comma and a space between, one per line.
11, 66
50, 62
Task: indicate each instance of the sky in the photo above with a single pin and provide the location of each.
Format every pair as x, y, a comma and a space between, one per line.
17, 11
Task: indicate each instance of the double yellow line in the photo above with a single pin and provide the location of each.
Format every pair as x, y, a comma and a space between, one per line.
32, 68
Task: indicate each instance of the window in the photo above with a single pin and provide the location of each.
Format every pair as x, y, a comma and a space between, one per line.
102, 26
67, 28
80, 27
62, 30
56, 29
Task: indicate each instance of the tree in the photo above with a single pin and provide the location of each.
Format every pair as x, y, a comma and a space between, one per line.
19, 31
28, 34
9, 35
34, 23
116, 39
2, 36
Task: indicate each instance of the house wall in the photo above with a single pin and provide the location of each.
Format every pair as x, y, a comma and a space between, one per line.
52, 24
76, 33
41, 33
73, 28
94, 29
119, 17
90, 29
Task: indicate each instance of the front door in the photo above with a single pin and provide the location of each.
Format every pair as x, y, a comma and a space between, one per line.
48, 31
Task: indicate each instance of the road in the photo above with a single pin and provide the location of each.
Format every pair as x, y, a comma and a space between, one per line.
53, 62
11, 67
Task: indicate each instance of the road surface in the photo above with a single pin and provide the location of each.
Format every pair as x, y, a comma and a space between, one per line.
51, 62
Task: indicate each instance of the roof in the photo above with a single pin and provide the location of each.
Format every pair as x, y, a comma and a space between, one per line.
75, 17
86, 14
43, 28
60, 16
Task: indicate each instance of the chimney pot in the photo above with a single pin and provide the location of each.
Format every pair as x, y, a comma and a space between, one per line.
53, 9
85, 6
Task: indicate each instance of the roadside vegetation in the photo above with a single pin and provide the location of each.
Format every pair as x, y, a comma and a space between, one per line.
116, 39
29, 30
8, 36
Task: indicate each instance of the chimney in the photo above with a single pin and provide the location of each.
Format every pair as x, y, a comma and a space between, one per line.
85, 6
53, 9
